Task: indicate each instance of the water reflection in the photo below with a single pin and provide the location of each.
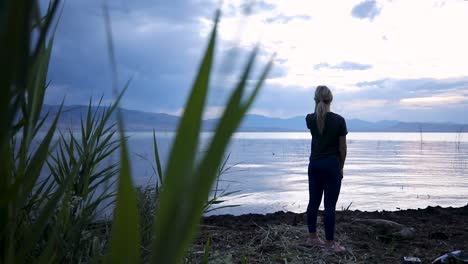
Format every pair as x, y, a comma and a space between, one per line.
384, 171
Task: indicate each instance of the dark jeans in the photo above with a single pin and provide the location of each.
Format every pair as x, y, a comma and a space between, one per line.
324, 178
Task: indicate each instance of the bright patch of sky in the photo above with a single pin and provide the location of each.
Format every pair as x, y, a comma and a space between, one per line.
401, 60
343, 43
408, 39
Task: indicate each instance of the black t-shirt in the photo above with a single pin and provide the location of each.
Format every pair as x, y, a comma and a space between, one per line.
326, 144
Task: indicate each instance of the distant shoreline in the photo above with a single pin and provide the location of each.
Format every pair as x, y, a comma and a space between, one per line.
281, 131
139, 121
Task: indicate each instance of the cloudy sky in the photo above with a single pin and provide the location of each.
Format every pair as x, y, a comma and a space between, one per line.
401, 59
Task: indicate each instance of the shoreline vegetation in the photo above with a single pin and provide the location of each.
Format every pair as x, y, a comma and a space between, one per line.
51, 219
279, 237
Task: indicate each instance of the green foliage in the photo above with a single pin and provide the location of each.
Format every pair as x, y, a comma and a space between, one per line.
45, 219
91, 190
187, 185
219, 195
125, 242
157, 159
24, 209
147, 202
95, 143
175, 221
49, 219
206, 254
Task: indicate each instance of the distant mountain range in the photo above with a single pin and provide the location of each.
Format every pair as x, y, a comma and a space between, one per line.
145, 121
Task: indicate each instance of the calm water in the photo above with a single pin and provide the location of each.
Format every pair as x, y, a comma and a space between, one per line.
383, 171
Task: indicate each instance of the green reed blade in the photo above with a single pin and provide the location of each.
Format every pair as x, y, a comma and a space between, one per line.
125, 241
171, 236
156, 158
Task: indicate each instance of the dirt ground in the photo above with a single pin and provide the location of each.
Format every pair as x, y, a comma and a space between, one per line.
280, 237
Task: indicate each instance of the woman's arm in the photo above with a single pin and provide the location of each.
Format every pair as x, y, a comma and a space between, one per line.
343, 150
308, 121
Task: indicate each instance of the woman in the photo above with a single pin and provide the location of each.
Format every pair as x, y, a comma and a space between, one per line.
327, 158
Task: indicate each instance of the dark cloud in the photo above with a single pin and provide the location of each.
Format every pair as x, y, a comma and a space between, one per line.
230, 66
367, 9
157, 43
345, 65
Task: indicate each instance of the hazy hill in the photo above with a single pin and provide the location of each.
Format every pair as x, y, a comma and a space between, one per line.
134, 120
146, 121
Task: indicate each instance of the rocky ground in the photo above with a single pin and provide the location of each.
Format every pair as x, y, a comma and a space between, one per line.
279, 237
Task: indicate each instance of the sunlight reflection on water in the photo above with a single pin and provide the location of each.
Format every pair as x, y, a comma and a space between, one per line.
384, 171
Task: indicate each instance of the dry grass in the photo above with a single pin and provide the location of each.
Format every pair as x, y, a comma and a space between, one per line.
280, 243
280, 237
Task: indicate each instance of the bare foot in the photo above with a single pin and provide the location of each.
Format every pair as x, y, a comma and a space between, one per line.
335, 247
316, 242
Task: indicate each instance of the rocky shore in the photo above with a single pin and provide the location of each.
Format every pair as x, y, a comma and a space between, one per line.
370, 237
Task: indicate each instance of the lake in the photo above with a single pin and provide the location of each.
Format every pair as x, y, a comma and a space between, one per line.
383, 171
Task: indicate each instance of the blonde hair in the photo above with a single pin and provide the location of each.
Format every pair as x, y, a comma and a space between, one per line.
323, 98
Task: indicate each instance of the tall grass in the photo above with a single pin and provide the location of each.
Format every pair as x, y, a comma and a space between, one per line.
26, 204
216, 200
148, 200
187, 184
91, 190
217, 195
47, 219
